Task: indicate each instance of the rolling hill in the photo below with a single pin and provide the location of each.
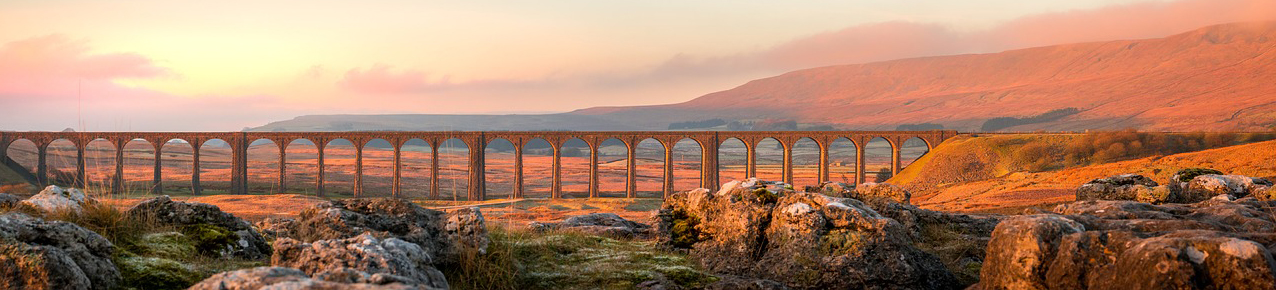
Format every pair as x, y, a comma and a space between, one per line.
1210, 79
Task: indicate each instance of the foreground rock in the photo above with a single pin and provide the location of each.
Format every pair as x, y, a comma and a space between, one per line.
284, 278
1206, 186
57, 199
361, 259
35, 254
804, 240
1120, 187
444, 235
891, 192
216, 231
8, 200
606, 224
1216, 244
959, 240
273, 228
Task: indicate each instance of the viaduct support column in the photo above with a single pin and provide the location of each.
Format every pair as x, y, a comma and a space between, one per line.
751, 166
477, 170
895, 164
81, 180
320, 177
556, 189
788, 164
518, 170
117, 181
358, 169
434, 169
824, 163
593, 171
239, 165
42, 169
398, 169
631, 170
157, 180
283, 168
668, 171
709, 165
196, 189
860, 175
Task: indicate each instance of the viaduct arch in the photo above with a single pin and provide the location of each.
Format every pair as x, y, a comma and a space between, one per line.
710, 142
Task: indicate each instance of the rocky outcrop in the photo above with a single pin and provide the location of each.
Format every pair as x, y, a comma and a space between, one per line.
54, 199
444, 235
38, 254
1120, 187
891, 192
273, 228
217, 231
1206, 186
360, 259
286, 278
1218, 243
834, 189
805, 240
8, 200
959, 240
606, 224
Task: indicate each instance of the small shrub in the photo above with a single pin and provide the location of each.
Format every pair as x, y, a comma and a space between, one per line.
684, 231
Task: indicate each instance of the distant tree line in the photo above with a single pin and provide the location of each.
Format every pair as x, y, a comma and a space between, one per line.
919, 127
697, 124
995, 124
1110, 146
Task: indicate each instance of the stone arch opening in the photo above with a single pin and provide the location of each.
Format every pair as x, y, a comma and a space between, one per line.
688, 159
415, 163
733, 160
176, 166
139, 166
806, 163
613, 163
912, 149
877, 160
26, 153
99, 166
769, 159
61, 162
338, 168
650, 163
574, 170
378, 168
842, 154
263, 167
538, 166
454, 169
301, 166
215, 166
498, 161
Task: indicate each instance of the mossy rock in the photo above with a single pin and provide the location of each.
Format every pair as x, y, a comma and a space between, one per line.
683, 231
766, 196
841, 242
155, 273
1155, 195
1187, 174
211, 239
167, 245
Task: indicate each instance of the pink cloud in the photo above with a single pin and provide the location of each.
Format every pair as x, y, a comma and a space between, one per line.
381, 79
56, 56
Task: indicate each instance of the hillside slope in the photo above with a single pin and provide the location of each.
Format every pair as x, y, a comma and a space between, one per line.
978, 174
1213, 78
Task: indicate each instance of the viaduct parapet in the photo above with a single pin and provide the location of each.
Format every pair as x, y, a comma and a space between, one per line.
476, 142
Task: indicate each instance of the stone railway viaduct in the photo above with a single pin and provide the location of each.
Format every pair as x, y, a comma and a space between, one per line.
709, 141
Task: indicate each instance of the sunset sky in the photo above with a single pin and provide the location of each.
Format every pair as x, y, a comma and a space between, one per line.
224, 65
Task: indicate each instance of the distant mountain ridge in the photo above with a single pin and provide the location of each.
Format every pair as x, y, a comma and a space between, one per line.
1219, 77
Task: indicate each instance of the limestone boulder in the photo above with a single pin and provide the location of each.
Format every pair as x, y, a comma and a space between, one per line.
287, 278
607, 224
1214, 244
202, 220
38, 254
1120, 187
444, 234
893, 193
1210, 185
361, 259
54, 199
274, 228
804, 240
835, 189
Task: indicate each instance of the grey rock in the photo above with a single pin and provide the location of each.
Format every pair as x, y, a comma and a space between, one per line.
38, 254
607, 224
1120, 187
894, 193
444, 235
1210, 185
8, 200
346, 260
162, 209
284, 278
54, 198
